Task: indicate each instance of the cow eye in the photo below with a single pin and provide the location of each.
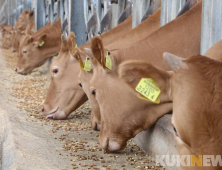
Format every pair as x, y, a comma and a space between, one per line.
175, 131
55, 71
24, 51
80, 84
94, 92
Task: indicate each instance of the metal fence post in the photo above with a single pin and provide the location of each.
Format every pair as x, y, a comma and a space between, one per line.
78, 25
139, 9
41, 18
170, 9
115, 14
211, 31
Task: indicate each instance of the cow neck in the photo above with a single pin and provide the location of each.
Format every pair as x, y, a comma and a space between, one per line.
49, 52
111, 36
180, 37
140, 32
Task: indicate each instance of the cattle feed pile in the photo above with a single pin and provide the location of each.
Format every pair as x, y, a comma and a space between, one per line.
76, 142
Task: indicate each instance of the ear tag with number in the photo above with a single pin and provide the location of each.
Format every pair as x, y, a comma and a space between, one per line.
76, 46
149, 90
87, 65
41, 43
108, 61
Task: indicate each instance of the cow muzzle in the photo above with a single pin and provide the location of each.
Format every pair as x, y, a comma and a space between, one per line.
56, 114
110, 146
19, 71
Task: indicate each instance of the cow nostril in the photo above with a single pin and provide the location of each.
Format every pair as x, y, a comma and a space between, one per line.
94, 92
16, 69
43, 109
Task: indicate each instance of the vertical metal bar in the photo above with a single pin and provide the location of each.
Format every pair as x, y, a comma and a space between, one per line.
77, 21
136, 12
62, 10
51, 10
115, 15
170, 9
121, 6
139, 8
41, 20
145, 5
99, 15
211, 31
56, 11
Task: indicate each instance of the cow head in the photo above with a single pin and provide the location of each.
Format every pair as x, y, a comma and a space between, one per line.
18, 37
84, 77
195, 87
24, 19
35, 49
31, 54
65, 94
123, 116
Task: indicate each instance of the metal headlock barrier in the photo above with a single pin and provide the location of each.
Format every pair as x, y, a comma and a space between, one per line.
88, 18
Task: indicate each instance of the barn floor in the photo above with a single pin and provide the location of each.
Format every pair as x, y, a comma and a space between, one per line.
31, 142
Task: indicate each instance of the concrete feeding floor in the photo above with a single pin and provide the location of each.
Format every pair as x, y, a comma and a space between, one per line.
31, 142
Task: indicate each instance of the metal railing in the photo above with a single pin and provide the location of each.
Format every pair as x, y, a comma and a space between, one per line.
88, 18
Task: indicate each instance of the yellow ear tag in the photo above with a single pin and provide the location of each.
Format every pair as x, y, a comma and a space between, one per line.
80, 64
108, 61
41, 43
149, 90
76, 46
87, 65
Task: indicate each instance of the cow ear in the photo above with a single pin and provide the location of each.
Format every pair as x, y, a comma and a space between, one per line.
26, 12
98, 50
173, 61
41, 40
64, 45
29, 40
133, 71
72, 43
31, 14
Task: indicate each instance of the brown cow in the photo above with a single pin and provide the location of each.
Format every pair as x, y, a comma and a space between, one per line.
6, 36
25, 18
137, 34
56, 100
36, 49
62, 69
195, 88
143, 30
181, 36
